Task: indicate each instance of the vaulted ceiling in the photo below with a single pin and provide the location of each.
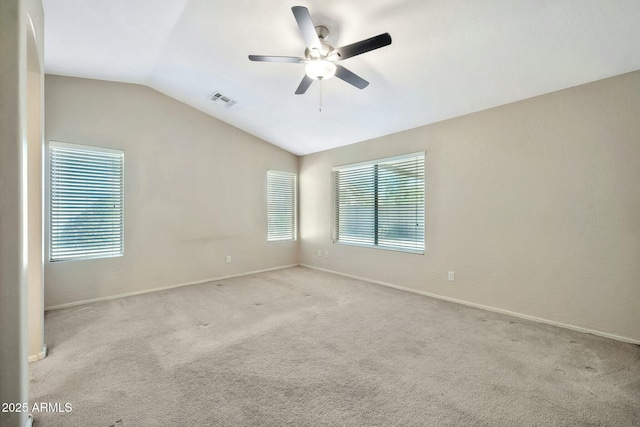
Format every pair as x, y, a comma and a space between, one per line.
448, 57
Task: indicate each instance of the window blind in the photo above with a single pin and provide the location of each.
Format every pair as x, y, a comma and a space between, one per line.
86, 202
381, 203
281, 205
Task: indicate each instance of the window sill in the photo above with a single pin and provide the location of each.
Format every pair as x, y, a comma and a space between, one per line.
385, 248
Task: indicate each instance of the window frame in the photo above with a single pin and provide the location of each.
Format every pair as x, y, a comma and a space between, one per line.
48, 201
283, 174
335, 202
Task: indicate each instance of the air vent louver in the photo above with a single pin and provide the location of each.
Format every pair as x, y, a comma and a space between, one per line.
218, 97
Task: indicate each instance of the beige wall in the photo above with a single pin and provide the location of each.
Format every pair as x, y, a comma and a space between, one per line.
195, 190
535, 206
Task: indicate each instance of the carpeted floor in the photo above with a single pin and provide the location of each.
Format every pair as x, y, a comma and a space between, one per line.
300, 347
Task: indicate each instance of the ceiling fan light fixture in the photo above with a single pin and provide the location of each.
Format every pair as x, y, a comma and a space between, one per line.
320, 69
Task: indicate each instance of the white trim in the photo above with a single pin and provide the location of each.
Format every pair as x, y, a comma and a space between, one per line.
417, 154
164, 288
277, 171
39, 356
381, 247
81, 147
485, 307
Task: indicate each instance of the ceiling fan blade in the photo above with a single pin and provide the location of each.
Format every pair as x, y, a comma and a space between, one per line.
307, 29
304, 85
364, 46
350, 77
264, 58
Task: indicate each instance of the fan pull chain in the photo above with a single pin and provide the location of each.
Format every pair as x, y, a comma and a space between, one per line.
320, 95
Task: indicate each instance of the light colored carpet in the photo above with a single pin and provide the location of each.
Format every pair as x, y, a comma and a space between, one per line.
301, 347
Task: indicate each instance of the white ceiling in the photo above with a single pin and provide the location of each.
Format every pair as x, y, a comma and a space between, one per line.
448, 57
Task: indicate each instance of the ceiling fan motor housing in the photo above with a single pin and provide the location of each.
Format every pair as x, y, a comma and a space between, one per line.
322, 32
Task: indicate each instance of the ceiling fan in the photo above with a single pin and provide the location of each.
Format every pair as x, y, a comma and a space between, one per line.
320, 57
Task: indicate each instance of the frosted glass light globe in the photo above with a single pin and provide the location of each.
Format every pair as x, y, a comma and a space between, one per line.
320, 69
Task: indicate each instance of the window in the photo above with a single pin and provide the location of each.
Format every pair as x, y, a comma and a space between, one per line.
85, 202
381, 203
281, 206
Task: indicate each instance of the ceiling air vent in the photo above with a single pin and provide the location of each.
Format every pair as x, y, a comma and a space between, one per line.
222, 99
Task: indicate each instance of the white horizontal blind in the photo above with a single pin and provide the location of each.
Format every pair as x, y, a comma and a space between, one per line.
86, 202
381, 203
355, 205
281, 205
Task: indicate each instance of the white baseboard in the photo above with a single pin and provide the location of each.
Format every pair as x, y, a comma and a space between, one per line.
164, 288
484, 307
39, 356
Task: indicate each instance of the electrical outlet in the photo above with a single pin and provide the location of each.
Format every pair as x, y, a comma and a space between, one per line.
228, 258
452, 276
319, 252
